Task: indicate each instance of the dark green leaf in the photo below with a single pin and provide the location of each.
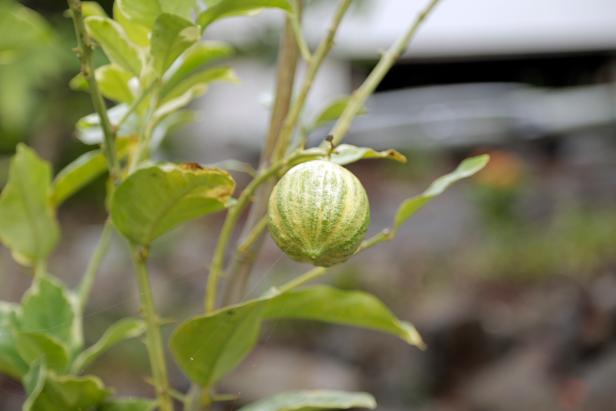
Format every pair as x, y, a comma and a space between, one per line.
120, 331
153, 200
171, 36
332, 112
128, 404
47, 307
229, 8
467, 168
208, 347
115, 43
346, 154
83, 171
36, 347
113, 82
27, 221
10, 361
314, 399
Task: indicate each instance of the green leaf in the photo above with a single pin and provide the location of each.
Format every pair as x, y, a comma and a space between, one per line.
208, 347
193, 60
89, 130
346, 154
136, 32
331, 305
128, 404
115, 43
113, 82
36, 347
192, 87
92, 8
122, 330
466, 168
313, 399
153, 200
229, 8
145, 12
11, 362
27, 221
50, 392
171, 36
83, 170
332, 112
48, 308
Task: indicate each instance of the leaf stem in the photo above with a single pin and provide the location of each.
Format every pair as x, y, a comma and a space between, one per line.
388, 59
153, 335
85, 287
84, 52
313, 68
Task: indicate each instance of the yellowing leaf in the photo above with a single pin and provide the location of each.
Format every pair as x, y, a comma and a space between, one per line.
153, 200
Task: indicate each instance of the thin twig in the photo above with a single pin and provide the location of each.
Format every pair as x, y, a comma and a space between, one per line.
356, 103
87, 281
84, 52
297, 32
313, 68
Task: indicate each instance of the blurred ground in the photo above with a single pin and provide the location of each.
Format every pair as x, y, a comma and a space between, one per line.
511, 277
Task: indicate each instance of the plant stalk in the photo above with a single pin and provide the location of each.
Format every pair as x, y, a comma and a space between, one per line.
313, 68
154, 341
84, 52
242, 263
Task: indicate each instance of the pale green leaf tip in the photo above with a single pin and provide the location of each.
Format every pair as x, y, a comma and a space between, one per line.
413, 337
477, 162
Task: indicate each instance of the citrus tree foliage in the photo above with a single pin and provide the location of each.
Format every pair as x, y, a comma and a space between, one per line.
156, 64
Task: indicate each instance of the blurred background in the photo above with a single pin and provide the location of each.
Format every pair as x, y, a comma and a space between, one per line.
510, 277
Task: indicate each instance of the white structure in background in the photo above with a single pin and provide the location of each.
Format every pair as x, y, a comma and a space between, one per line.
457, 29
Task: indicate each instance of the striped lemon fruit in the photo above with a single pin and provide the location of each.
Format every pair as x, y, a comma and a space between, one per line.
318, 213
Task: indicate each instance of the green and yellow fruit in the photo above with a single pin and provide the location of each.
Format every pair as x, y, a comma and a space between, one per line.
318, 213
